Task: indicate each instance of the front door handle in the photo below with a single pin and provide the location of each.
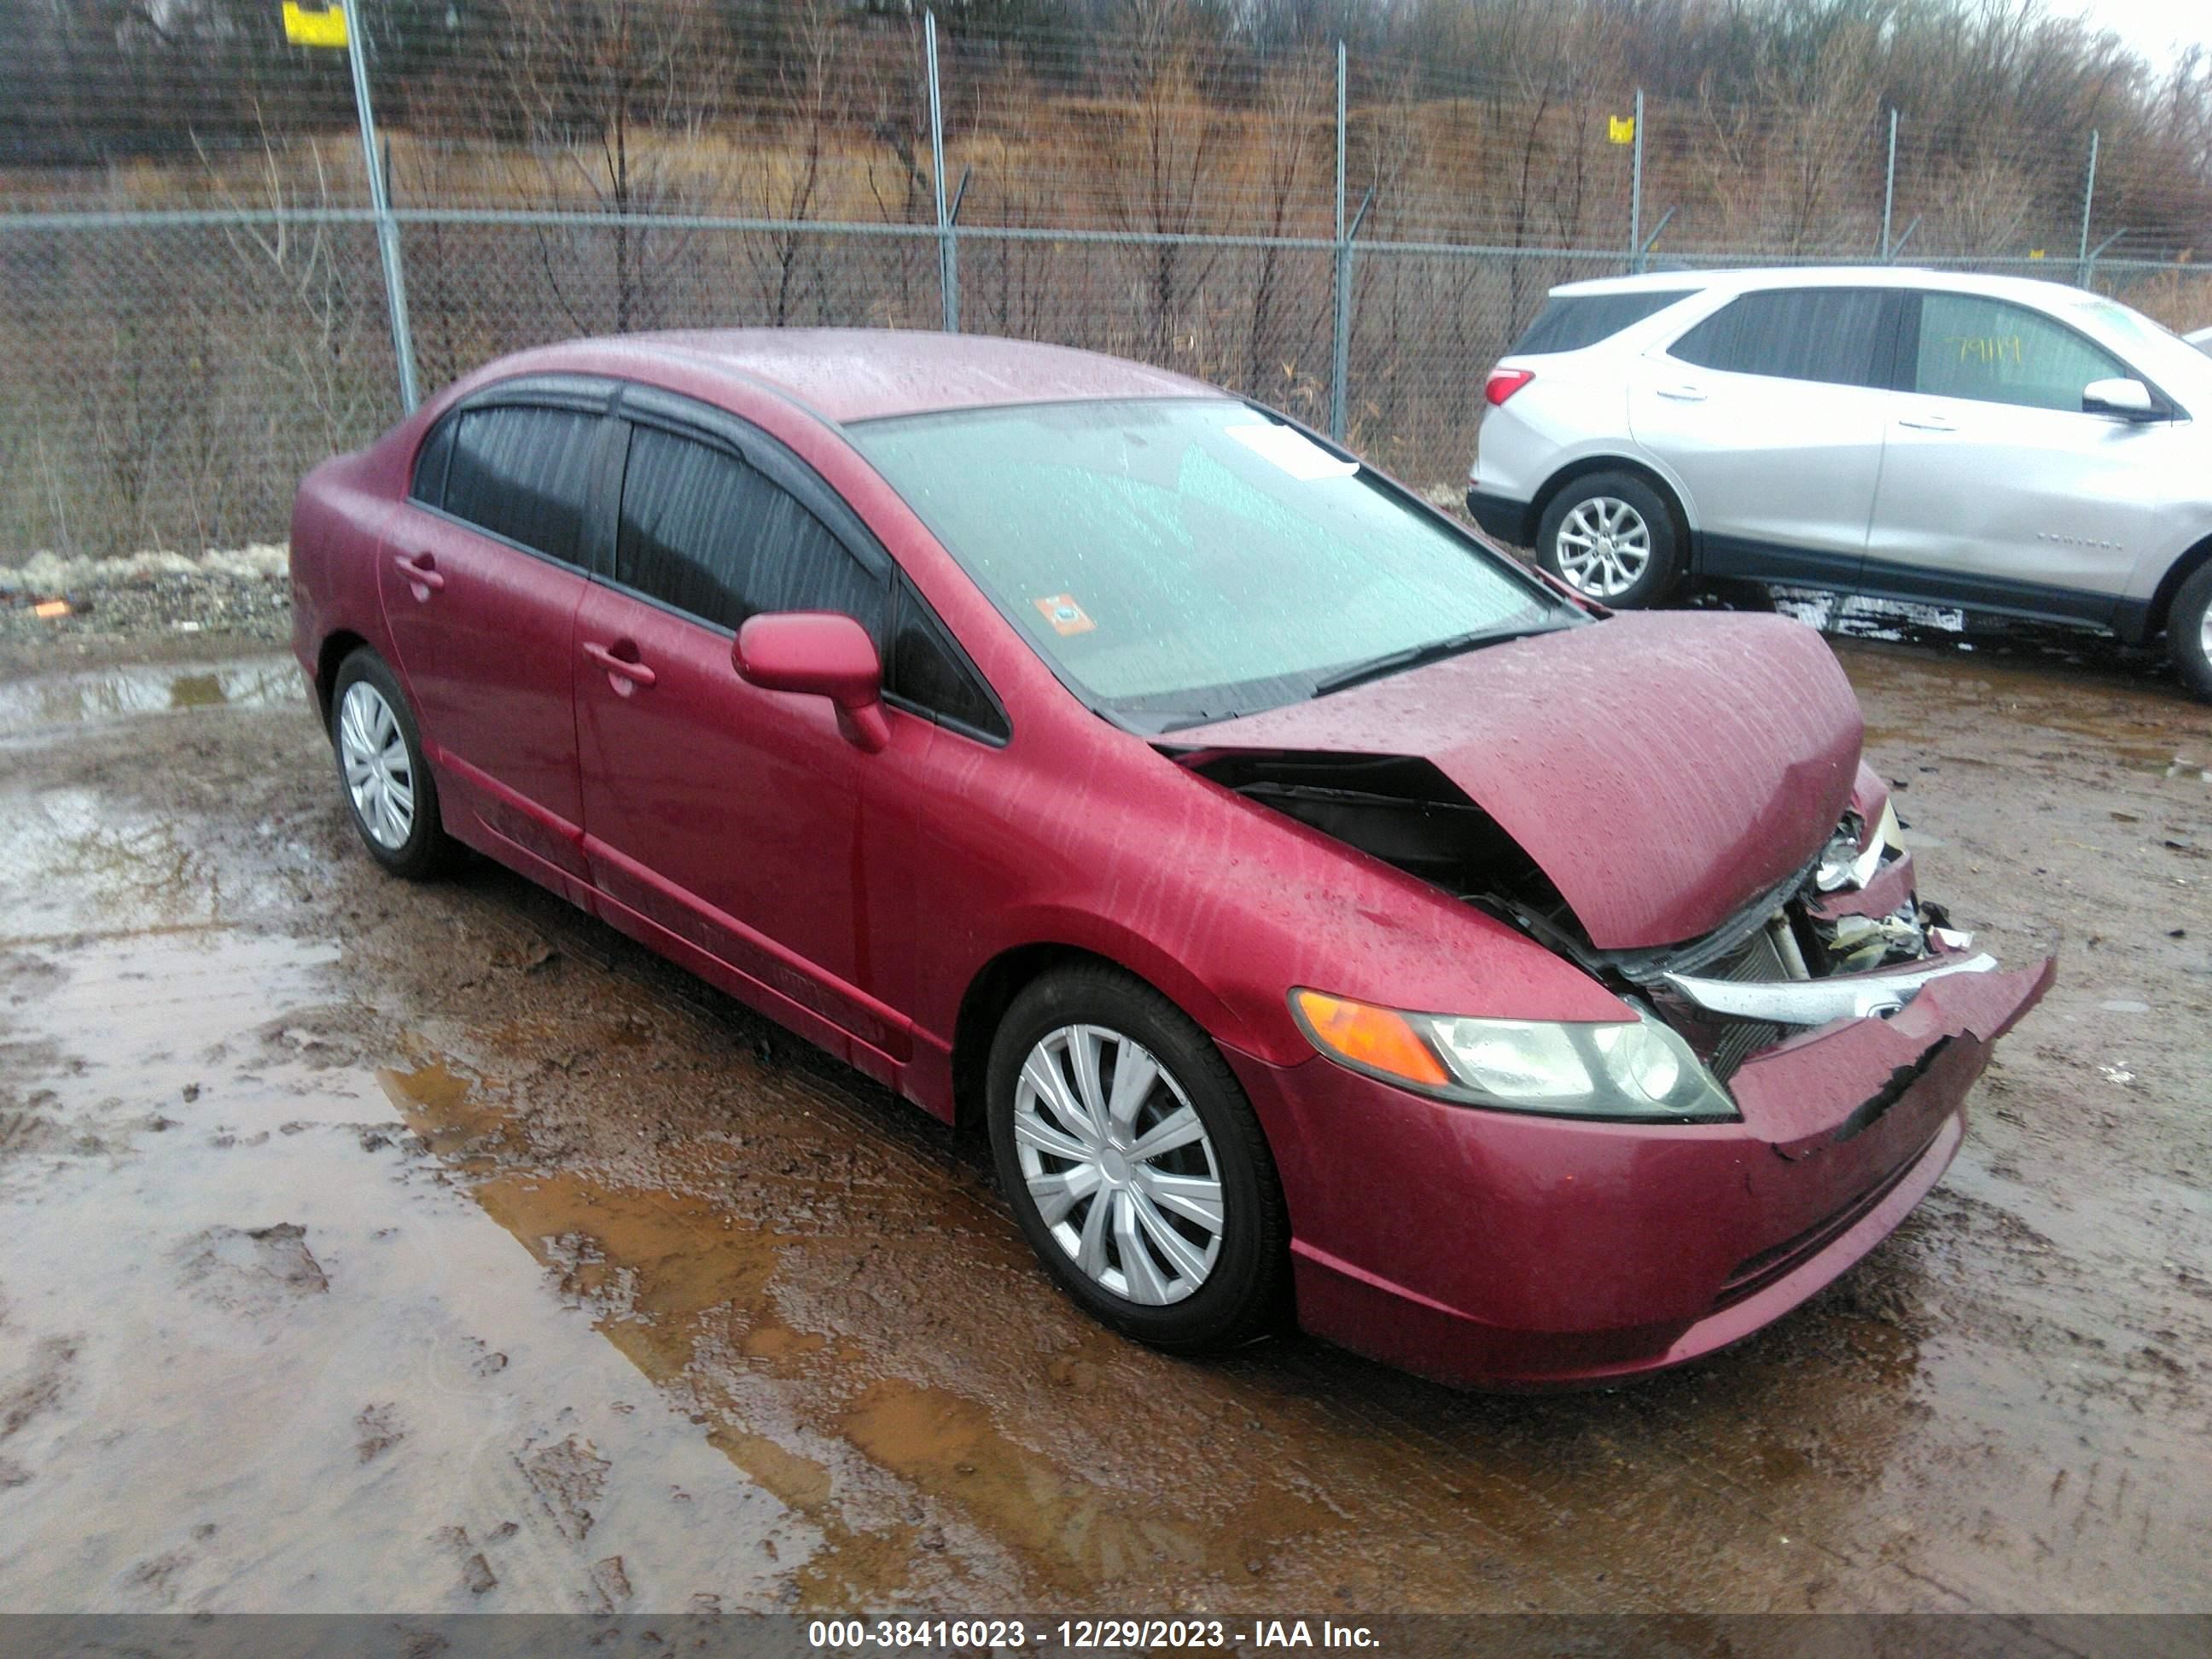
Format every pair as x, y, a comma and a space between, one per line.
623, 669
421, 573
1683, 394
1927, 424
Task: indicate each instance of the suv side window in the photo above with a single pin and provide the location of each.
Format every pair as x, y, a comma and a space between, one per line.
1994, 351
1830, 335
1572, 321
705, 533
521, 472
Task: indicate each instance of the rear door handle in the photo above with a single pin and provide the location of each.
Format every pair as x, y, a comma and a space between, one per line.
1927, 424
621, 668
421, 570
1683, 394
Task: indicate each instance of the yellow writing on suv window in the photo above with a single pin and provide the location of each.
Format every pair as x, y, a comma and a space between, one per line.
1986, 347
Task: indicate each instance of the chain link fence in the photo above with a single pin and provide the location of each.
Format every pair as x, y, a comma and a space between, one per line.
186, 326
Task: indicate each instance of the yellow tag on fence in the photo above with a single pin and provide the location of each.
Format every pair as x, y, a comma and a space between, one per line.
1621, 129
314, 26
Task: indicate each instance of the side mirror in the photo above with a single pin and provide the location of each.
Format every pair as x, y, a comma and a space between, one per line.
2129, 399
817, 653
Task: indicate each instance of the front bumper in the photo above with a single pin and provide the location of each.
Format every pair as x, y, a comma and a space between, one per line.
1508, 1251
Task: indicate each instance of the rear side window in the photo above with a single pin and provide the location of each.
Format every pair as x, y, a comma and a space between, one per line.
707, 533
1576, 320
429, 484
522, 473
1832, 335
1995, 352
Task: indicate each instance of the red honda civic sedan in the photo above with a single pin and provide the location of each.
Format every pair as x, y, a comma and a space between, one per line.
1329, 919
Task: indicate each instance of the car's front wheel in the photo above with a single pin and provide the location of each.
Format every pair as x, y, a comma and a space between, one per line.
2188, 632
388, 790
1133, 1162
1609, 537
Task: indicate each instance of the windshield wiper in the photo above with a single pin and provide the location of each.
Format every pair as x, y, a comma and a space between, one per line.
1417, 656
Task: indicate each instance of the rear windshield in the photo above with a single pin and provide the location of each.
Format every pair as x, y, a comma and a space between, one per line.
1577, 320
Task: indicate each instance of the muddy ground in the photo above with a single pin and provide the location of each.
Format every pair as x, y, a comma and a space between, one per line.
373, 1246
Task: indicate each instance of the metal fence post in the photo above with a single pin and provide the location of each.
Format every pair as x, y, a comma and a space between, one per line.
948, 249
2088, 201
388, 228
1889, 185
1340, 356
1636, 189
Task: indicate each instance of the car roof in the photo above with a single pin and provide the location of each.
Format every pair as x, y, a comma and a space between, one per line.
2030, 291
846, 374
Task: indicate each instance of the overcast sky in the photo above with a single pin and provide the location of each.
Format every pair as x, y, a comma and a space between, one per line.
2155, 29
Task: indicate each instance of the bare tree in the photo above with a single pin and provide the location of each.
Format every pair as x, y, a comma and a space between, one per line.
599, 83
1295, 95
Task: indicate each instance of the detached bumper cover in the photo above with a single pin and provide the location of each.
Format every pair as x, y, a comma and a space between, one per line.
1512, 1251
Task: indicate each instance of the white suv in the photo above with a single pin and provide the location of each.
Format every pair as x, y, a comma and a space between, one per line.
1995, 443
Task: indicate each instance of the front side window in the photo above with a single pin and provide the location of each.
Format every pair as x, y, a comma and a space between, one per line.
1828, 335
1997, 352
704, 532
1181, 560
928, 670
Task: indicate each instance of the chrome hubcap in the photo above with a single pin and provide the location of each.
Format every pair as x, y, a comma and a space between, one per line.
1603, 546
378, 775
1118, 1164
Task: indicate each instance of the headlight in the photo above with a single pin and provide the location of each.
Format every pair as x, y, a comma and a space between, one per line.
1639, 1068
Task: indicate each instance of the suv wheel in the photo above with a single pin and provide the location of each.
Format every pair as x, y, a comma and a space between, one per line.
1133, 1163
1610, 538
2188, 632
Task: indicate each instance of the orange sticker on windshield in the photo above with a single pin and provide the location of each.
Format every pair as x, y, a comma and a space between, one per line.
1065, 615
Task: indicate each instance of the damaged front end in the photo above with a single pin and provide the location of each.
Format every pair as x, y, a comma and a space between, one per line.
1845, 938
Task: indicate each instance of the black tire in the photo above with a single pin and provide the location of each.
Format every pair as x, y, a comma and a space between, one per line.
427, 850
2186, 632
1663, 567
1244, 1293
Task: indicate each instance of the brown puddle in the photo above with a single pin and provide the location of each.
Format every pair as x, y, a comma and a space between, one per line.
135, 688
685, 1289
661, 1312
2147, 727
285, 1366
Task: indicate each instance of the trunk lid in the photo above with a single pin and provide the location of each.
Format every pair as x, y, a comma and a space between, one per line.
1662, 771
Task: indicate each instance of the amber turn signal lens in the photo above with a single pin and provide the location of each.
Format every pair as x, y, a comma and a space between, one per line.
1373, 1037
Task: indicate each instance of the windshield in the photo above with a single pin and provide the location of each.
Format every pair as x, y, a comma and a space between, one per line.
1185, 560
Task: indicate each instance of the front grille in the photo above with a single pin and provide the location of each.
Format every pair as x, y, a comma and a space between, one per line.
1758, 959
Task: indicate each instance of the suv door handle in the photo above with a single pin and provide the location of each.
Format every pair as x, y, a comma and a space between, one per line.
422, 570
1927, 424
619, 668
1683, 394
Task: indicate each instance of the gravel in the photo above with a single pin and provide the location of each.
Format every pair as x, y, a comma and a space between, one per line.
233, 593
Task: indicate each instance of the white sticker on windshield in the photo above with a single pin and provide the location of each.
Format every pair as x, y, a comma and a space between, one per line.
1292, 451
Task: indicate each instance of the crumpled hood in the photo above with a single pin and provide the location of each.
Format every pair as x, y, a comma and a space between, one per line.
1663, 771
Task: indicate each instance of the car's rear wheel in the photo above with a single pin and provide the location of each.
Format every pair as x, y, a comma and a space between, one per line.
387, 787
2188, 632
1611, 538
1133, 1162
